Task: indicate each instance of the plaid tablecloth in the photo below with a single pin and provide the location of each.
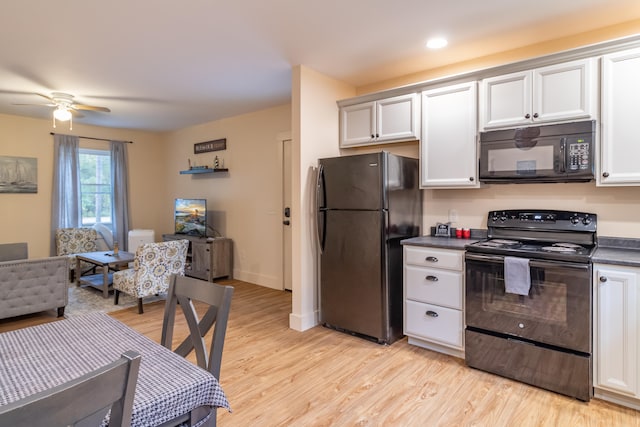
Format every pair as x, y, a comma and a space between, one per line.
40, 357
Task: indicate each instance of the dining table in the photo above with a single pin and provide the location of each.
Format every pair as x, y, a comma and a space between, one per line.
170, 389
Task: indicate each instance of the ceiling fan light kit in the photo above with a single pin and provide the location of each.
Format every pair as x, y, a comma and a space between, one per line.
62, 114
65, 108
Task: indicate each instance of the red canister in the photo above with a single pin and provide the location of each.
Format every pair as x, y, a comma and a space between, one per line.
466, 233
459, 233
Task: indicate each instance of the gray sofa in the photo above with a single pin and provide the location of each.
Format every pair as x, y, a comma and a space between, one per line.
33, 285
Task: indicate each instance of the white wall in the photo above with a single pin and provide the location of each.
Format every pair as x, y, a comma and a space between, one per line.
315, 135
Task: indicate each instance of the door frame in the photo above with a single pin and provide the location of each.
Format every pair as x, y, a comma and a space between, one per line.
285, 142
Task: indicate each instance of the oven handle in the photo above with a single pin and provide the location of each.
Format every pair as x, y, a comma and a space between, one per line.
532, 263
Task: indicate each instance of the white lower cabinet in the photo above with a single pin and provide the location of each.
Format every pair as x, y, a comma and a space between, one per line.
616, 345
434, 298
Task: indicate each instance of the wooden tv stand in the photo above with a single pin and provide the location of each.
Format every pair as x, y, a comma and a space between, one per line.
208, 258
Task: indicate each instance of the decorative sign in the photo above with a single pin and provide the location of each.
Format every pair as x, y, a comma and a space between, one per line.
205, 147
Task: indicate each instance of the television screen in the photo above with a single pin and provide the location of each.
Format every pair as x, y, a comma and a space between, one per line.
190, 217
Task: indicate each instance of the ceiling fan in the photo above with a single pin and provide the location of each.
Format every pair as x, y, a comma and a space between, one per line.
65, 108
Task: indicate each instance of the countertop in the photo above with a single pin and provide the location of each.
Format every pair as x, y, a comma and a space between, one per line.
617, 251
440, 242
611, 250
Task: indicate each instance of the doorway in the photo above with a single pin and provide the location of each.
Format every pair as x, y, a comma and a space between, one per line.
286, 211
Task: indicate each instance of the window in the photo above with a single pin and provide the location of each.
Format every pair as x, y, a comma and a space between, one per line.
95, 187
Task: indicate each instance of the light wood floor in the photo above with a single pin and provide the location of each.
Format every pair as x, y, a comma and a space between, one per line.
274, 376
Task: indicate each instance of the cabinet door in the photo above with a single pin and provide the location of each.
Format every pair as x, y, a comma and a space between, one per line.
358, 124
564, 91
397, 118
616, 329
200, 260
620, 148
448, 154
506, 100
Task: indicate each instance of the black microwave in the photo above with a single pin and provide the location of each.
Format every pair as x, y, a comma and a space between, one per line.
548, 153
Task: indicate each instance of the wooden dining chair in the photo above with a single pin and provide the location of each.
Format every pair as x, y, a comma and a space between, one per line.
184, 290
84, 401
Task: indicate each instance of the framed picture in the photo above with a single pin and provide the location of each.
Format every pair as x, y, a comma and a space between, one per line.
18, 174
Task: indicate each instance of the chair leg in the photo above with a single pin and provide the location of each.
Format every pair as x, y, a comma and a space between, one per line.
116, 295
140, 306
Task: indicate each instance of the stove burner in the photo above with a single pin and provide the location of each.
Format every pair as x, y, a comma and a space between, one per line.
559, 249
567, 245
504, 242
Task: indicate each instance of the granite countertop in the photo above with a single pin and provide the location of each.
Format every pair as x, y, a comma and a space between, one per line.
440, 242
611, 250
617, 251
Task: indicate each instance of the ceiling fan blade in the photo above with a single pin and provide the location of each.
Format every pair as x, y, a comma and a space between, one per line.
90, 107
75, 114
44, 96
40, 105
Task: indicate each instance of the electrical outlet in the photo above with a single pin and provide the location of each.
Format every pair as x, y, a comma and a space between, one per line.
453, 215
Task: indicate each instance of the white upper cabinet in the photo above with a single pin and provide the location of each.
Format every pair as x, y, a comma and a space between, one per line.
620, 144
387, 120
558, 92
448, 147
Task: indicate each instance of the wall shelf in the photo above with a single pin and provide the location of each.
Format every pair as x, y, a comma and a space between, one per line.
203, 170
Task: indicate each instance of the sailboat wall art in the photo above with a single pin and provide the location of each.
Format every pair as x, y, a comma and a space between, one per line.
18, 174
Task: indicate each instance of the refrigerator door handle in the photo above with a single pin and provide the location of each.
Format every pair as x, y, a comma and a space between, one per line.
321, 220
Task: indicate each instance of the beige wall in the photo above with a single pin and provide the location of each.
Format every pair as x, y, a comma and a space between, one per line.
618, 208
27, 217
245, 203
315, 135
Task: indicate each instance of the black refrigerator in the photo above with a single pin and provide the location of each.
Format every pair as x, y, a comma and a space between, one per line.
366, 204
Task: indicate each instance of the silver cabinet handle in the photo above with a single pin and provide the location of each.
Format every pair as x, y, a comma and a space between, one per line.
603, 279
431, 313
431, 259
431, 278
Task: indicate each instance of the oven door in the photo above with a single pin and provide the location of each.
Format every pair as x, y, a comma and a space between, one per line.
556, 312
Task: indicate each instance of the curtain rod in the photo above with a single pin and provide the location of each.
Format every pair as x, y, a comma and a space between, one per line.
90, 137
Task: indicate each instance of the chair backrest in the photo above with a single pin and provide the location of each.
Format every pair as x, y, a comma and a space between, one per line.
75, 240
184, 290
154, 264
83, 401
13, 251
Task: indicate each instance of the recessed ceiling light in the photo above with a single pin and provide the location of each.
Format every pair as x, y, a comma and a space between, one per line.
436, 43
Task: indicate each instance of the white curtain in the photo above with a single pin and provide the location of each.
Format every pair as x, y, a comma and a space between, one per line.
65, 197
120, 193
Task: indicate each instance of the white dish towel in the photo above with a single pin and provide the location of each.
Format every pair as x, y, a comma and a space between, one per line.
517, 276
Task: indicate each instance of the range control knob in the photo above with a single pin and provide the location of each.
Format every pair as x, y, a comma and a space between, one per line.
586, 220
575, 219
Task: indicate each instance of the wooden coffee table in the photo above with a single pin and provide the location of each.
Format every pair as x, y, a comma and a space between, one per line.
105, 259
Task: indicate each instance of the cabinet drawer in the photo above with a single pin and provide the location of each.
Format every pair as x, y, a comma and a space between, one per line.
435, 258
444, 325
435, 286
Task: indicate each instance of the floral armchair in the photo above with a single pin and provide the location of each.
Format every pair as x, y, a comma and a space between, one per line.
71, 241
152, 267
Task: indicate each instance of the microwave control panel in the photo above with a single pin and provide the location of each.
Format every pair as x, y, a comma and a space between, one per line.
579, 155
